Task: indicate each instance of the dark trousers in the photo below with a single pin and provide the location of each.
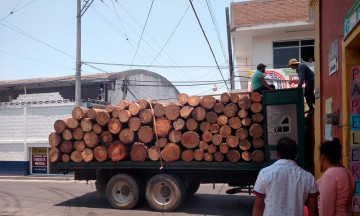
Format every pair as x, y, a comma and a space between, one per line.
309, 94
261, 89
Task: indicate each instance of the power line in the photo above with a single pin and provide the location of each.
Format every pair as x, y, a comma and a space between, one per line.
12, 11
208, 43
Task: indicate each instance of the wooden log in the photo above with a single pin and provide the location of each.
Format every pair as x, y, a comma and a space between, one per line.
66, 147
161, 142
134, 109
127, 136
258, 143
212, 148
86, 124
234, 98
199, 114
208, 102
115, 113
172, 111
199, 155
233, 156
54, 139
138, 152
106, 138
225, 131
178, 124
206, 136
162, 128
72, 123
124, 116
194, 100
232, 141
219, 108
159, 110
60, 126
79, 113
216, 139
204, 126
255, 97
100, 153
79, 145
246, 156
78, 133
123, 104
144, 104
242, 133
183, 99
102, 117
235, 123
146, 133
222, 120
246, 122
171, 152
134, 124
146, 116
225, 97
190, 139
87, 155
257, 117
186, 112
117, 151
218, 156
211, 117
187, 155
76, 156
110, 108
208, 157
175, 136
192, 124
114, 126
243, 113
258, 156
203, 145
256, 130
153, 153
224, 148
65, 158
231, 110
97, 129
256, 107
245, 145
67, 134
54, 155
244, 102
91, 139
214, 128
91, 113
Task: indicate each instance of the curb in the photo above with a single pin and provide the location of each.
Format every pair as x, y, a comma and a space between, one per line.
48, 177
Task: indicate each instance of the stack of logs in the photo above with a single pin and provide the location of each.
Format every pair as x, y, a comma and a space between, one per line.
194, 129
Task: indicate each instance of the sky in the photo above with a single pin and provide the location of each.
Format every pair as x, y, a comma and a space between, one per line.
38, 40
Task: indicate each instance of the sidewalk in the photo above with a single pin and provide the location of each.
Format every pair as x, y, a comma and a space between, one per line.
51, 177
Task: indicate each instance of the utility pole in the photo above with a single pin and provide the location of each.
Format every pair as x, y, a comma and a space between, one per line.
78, 56
231, 64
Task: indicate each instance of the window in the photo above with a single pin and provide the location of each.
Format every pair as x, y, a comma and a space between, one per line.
283, 51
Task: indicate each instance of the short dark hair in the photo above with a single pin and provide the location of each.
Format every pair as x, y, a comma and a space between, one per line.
260, 66
332, 150
286, 148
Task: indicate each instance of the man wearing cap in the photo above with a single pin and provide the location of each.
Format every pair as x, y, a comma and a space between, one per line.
258, 82
305, 75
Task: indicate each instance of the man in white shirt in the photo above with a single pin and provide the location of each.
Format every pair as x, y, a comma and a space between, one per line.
284, 188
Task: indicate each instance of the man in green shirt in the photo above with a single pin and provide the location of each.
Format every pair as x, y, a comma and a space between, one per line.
258, 82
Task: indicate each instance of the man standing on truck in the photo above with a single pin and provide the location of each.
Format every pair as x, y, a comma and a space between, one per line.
258, 81
283, 188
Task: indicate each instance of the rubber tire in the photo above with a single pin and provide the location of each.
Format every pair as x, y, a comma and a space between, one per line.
156, 199
191, 188
135, 187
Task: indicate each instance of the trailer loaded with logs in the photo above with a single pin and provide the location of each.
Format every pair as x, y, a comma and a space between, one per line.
164, 151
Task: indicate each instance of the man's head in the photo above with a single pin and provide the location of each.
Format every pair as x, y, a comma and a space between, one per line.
293, 63
286, 148
261, 67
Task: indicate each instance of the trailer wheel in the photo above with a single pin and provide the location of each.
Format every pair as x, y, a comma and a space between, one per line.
191, 188
124, 191
164, 192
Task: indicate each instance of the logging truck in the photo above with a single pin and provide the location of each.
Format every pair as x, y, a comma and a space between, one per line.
162, 152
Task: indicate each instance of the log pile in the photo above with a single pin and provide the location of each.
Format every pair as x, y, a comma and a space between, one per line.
193, 129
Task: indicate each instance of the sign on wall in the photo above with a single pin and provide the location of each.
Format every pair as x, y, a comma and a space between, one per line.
352, 18
39, 160
333, 57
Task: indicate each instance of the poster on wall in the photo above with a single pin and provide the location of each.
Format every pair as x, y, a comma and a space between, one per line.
39, 160
333, 57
